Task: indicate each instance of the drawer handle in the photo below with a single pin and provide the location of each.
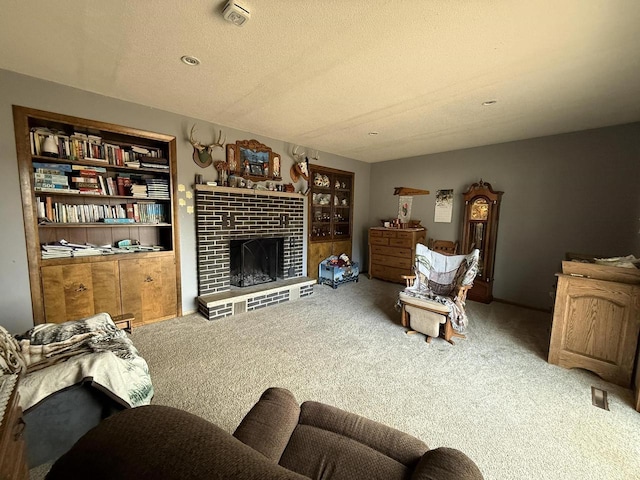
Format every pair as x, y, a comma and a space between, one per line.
148, 279
81, 288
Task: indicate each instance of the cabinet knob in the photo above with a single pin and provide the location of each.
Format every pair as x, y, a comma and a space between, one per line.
81, 288
148, 279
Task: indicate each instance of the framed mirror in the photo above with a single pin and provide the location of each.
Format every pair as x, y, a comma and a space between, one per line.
253, 160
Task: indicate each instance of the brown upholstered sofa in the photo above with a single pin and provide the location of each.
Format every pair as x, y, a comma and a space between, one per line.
277, 439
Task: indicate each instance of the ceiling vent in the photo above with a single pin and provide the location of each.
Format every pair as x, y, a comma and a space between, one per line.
236, 13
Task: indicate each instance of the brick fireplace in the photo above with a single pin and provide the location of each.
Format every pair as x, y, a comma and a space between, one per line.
224, 214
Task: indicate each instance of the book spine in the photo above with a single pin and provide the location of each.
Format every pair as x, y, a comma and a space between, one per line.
51, 177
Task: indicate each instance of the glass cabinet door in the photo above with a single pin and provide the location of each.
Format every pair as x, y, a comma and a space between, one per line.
331, 197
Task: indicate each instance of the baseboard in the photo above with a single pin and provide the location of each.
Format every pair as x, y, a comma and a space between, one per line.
516, 304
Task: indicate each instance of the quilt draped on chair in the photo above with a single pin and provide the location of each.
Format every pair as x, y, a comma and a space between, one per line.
438, 275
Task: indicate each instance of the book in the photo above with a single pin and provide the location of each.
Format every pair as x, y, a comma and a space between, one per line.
51, 177
111, 187
89, 168
85, 179
55, 190
61, 167
118, 220
124, 185
51, 185
88, 185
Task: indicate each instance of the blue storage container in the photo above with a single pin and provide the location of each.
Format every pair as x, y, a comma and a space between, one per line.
332, 274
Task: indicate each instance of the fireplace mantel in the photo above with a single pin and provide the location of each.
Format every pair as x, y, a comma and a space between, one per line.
247, 191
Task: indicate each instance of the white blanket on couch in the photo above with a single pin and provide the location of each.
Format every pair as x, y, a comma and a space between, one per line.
93, 349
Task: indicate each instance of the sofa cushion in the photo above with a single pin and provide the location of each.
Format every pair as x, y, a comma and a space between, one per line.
268, 426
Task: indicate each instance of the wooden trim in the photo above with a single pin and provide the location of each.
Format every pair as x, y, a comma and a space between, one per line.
94, 124
521, 305
23, 152
173, 161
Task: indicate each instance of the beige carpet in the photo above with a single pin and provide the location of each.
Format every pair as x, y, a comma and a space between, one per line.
492, 395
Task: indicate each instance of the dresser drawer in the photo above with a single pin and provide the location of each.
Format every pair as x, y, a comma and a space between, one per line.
398, 262
389, 273
378, 241
391, 251
401, 242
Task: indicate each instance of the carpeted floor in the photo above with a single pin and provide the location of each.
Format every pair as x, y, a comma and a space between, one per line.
492, 395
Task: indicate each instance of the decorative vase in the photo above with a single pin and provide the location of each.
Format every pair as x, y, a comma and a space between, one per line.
49, 147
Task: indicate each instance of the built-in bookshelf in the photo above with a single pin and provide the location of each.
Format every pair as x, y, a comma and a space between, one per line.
100, 220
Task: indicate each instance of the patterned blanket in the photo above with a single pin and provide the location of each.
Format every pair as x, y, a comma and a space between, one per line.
437, 276
93, 349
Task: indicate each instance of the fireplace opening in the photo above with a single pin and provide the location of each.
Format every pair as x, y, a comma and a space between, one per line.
255, 261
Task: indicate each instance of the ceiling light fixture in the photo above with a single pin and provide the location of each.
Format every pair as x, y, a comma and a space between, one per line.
373, 134
189, 60
489, 102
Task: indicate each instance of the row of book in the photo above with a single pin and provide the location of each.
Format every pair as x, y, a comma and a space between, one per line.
62, 249
53, 177
80, 146
57, 212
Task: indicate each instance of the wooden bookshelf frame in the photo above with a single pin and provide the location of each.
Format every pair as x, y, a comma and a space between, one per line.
24, 118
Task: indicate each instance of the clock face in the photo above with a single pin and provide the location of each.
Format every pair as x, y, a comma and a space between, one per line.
479, 209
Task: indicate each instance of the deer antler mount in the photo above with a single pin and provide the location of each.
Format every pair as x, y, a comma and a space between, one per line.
202, 154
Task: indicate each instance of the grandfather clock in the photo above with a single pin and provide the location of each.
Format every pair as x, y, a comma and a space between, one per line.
480, 230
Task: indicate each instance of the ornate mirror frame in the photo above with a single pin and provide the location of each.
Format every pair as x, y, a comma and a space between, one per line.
253, 160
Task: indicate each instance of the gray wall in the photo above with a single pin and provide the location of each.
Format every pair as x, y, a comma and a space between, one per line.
577, 192
15, 303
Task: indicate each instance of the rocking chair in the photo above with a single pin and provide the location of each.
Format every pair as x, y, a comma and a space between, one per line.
436, 294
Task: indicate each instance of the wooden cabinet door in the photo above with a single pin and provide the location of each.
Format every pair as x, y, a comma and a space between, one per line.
318, 251
149, 288
342, 247
76, 291
595, 327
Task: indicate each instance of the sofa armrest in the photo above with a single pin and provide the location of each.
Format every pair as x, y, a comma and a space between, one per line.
268, 426
446, 464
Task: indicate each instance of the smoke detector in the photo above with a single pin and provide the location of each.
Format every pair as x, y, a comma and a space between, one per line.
236, 13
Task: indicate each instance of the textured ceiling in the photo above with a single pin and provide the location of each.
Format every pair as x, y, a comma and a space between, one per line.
323, 74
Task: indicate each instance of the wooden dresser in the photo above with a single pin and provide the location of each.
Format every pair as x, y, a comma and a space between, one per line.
392, 251
596, 322
13, 453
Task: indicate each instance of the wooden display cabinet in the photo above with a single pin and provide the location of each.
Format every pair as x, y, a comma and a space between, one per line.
330, 215
74, 287
480, 230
